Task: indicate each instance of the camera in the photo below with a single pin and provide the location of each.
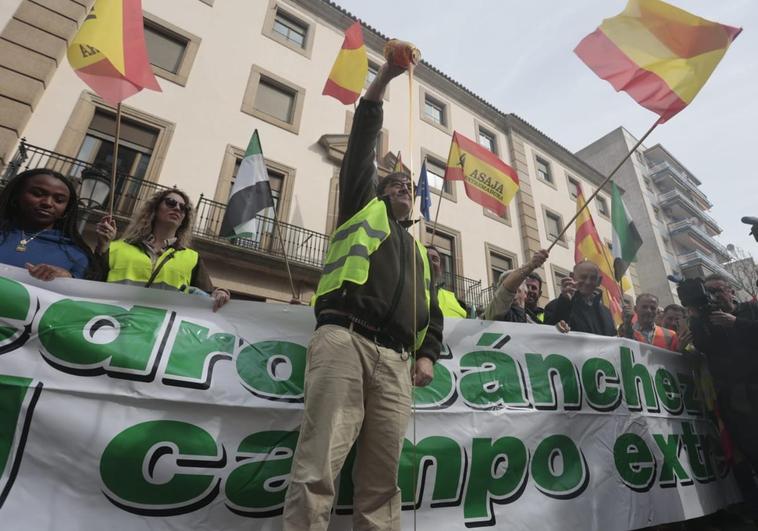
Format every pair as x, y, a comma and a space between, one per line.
692, 294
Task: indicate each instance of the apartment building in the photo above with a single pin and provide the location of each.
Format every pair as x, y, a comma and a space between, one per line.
229, 67
669, 209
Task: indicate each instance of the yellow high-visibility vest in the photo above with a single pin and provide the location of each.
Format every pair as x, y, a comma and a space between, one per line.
350, 247
128, 264
449, 304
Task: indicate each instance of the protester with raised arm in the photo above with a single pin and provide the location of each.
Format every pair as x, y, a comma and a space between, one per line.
361, 366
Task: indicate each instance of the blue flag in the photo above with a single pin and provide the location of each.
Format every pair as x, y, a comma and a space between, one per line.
422, 190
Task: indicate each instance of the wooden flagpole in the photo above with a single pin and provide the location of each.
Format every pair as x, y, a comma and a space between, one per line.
278, 227
610, 176
114, 166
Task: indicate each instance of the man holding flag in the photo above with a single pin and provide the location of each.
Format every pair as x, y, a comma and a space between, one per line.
377, 322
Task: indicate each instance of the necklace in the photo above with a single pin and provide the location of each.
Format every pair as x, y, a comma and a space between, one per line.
21, 247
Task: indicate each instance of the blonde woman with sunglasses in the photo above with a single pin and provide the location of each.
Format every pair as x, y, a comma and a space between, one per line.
154, 251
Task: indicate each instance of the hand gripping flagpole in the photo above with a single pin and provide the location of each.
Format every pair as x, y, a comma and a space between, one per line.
610, 176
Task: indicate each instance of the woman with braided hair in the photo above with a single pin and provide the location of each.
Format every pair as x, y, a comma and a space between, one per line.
39, 215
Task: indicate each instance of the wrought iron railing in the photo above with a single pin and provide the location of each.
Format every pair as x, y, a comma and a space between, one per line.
487, 295
271, 237
466, 289
130, 191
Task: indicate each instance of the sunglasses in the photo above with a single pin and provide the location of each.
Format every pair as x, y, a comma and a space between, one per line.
173, 203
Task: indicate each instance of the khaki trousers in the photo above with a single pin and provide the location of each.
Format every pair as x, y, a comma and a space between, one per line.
354, 389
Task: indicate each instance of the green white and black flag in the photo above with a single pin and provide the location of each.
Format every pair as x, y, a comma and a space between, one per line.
626, 238
251, 193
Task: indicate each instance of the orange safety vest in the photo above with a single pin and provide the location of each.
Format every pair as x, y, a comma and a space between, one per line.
662, 337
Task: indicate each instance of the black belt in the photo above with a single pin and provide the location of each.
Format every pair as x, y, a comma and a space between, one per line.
382, 339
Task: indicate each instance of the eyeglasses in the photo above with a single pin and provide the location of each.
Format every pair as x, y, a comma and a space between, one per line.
173, 203
403, 184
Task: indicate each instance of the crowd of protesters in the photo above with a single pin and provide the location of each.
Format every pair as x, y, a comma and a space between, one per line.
360, 373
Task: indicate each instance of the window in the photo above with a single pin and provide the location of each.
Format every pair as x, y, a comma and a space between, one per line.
373, 70
543, 170
487, 140
273, 99
499, 264
170, 49
434, 111
553, 226
435, 173
558, 275
288, 29
445, 243
164, 51
135, 146
573, 186
602, 206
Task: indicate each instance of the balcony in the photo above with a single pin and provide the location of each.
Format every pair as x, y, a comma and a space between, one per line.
680, 206
702, 265
130, 191
466, 289
273, 238
666, 177
687, 230
304, 247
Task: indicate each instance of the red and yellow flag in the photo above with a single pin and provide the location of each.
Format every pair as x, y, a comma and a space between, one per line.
399, 166
589, 246
659, 54
350, 69
109, 52
489, 181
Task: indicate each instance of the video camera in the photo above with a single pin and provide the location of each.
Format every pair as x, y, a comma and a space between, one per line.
692, 294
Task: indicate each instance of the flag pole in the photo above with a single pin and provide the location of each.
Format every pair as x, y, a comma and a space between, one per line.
281, 242
114, 166
437, 212
610, 176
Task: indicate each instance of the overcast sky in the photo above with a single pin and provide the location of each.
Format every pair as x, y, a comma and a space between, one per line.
518, 55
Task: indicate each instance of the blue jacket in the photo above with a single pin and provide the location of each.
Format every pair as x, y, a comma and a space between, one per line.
51, 247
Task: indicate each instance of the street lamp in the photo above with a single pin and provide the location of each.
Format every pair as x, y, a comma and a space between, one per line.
95, 188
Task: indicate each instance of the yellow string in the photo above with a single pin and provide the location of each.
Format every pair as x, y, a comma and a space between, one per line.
413, 255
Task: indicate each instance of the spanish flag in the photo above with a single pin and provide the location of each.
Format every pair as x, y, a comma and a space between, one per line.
109, 52
489, 181
659, 54
350, 69
589, 246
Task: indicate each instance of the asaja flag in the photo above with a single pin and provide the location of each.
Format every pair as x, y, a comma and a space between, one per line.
659, 54
109, 52
251, 193
423, 192
350, 69
626, 237
488, 180
589, 246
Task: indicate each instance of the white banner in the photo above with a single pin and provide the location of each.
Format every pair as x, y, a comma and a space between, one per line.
127, 409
